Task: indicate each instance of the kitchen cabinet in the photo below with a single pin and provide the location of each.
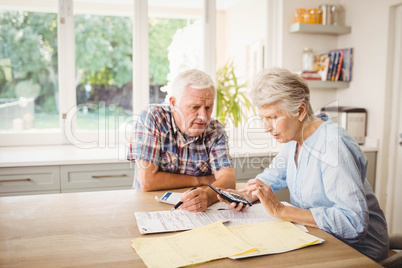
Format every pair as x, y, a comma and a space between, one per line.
29, 180
78, 178
65, 178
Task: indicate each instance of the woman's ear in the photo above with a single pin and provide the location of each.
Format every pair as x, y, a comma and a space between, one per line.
302, 111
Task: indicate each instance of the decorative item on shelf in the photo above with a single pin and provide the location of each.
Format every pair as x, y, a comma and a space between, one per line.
315, 16
322, 65
326, 14
340, 65
336, 65
307, 59
338, 13
299, 15
310, 75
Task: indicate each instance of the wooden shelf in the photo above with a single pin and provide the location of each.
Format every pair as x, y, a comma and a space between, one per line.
319, 29
327, 84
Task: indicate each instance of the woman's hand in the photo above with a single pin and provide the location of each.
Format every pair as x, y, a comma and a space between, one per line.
264, 193
234, 205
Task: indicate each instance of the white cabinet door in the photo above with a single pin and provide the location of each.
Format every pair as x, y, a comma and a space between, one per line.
96, 177
29, 180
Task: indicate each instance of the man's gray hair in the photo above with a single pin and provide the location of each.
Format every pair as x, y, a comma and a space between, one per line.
278, 85
197, 79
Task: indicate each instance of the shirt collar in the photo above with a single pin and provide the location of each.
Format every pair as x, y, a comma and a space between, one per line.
312, 139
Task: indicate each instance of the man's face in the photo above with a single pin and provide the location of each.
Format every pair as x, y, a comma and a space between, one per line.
194, 110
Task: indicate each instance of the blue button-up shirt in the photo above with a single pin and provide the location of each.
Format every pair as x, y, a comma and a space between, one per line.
330, 180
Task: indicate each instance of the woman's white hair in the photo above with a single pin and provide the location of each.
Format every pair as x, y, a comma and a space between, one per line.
197, 79
278, 85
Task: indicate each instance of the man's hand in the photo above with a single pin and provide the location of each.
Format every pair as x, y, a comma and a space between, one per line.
194, 200
199, 199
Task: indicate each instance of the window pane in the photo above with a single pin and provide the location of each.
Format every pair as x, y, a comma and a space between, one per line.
240, 55
175, 42
103, 70
28, 71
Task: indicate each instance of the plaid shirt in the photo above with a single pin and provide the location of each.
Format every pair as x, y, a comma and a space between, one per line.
158, 140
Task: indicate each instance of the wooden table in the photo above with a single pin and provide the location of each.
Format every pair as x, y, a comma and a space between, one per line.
94, 229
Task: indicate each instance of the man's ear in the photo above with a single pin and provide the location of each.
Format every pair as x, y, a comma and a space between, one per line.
302, 111
172, 101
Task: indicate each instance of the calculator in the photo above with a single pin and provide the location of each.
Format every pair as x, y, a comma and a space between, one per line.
231, 197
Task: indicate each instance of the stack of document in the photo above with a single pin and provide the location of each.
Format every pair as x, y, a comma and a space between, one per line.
181, 220
216, 241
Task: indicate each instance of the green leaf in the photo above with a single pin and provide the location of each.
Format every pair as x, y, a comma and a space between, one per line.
232, 102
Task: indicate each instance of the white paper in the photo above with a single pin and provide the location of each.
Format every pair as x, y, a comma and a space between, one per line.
218, 206
169, 198
253, 214
178, 220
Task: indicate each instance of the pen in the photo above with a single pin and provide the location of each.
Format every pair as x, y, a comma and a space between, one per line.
180, 202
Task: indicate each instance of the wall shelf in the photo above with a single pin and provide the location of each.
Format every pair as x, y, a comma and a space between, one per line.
319, 29
327, 84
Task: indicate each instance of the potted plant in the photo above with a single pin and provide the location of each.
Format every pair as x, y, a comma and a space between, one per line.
231, 100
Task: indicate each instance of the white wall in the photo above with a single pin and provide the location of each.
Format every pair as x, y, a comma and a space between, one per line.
370, 38
239, 26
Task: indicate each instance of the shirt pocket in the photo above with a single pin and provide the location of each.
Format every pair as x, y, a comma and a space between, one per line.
202, 168
169, 162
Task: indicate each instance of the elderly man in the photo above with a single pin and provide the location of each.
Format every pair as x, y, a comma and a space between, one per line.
178, 145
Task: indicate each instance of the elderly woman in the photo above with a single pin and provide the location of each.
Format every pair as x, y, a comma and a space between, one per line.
320, 163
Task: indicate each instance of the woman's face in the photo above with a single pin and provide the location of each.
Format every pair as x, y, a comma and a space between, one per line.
282, 126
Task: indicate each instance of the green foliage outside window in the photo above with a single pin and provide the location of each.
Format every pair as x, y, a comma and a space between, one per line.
161, 32
103, 50
28, 52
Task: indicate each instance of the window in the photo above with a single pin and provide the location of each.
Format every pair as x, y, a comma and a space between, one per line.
175, 43
67, 73
103, 58
28, 71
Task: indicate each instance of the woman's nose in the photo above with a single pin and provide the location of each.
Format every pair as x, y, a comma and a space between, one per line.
268, 126
268, 129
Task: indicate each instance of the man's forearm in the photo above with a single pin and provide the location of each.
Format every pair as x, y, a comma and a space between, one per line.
163, 180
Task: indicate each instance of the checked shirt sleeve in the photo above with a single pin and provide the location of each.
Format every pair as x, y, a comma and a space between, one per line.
145, 140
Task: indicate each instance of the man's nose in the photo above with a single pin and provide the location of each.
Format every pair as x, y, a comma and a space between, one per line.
202, 113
